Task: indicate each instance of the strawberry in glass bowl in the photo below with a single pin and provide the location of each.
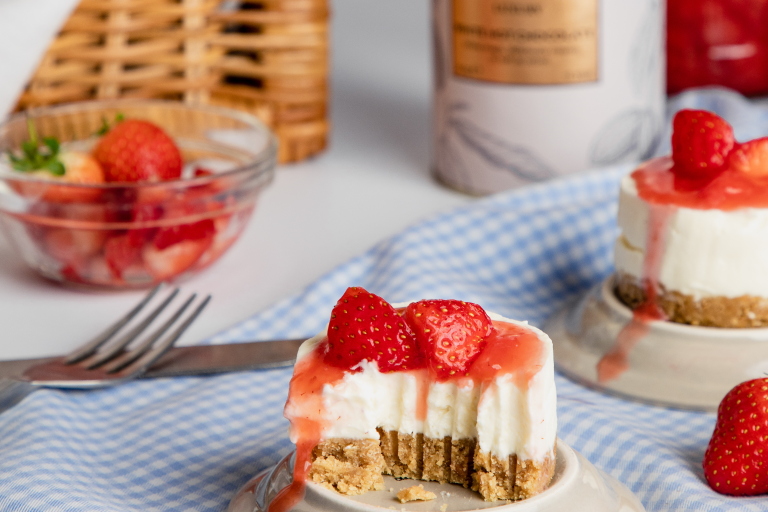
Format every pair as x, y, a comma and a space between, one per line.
128, 193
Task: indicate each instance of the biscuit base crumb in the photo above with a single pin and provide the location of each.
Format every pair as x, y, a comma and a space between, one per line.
349, 467
744, 311
512, 478
415, 493
353, 467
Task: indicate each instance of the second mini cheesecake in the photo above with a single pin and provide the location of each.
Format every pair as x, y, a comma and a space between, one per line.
697, 238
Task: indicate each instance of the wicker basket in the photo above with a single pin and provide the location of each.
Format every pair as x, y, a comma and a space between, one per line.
267, 57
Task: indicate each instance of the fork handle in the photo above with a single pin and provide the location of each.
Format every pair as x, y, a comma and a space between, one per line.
12, 392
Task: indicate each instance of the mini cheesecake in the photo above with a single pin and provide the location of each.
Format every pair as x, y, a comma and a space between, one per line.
488, 423
695, 240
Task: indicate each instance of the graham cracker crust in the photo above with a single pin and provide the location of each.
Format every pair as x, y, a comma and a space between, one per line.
744, 311
355, 466
512, 478
348, 466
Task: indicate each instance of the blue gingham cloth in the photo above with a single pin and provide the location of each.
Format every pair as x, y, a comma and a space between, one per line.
190, 443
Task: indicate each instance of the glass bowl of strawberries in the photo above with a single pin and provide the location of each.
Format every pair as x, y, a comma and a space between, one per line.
129, 193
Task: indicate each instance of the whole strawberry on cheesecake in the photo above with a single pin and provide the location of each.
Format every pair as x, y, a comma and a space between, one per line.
694, 228
432, 390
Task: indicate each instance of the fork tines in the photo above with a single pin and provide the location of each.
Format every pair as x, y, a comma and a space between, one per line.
116, 355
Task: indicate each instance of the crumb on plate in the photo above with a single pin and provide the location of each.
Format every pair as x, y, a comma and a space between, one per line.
415, 493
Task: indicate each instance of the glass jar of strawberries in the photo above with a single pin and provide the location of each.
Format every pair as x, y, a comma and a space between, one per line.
129, 193
717, 42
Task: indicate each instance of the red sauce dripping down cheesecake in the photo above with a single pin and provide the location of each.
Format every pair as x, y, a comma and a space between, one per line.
510, 350
310, 375
616, 360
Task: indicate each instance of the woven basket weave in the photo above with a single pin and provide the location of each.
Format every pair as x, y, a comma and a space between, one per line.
267, 57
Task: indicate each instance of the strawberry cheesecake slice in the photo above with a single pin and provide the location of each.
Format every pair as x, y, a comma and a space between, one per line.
694, 229
435, 390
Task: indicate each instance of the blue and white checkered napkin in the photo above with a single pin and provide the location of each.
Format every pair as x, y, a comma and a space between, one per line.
189, 443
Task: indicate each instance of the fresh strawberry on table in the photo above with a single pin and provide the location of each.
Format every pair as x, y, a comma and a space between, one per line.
452, 334
365, 326
736, 460
137, 150
701, 142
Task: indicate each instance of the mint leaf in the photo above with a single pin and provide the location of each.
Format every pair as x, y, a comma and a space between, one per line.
56, 168
52, 144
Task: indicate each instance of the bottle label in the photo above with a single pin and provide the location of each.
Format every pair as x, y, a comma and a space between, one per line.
526, 41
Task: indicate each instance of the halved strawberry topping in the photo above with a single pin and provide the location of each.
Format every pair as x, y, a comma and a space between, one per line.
365, 326
451, 333
750, 158
701, 142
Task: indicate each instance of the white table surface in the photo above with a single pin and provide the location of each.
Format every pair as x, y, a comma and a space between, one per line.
373, 181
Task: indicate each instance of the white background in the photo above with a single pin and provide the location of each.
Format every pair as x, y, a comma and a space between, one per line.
373, 181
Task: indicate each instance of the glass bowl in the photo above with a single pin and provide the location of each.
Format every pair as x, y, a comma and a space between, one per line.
133, 235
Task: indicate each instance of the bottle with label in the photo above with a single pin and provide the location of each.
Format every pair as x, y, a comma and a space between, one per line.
529, 90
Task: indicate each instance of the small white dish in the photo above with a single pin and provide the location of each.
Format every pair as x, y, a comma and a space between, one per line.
577, 486
671, 365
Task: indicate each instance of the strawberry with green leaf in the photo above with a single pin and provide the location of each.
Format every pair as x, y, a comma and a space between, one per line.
36, 156
46, 159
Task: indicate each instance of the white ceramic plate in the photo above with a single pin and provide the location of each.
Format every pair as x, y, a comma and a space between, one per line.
577, 486
672, 365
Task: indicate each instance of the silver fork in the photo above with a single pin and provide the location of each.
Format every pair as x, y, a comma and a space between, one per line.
89, 367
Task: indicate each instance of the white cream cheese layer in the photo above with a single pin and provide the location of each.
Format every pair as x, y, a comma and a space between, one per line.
505, 418
708, 253
520, 420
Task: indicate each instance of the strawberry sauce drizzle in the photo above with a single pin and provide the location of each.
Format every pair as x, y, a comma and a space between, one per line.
511, 350
310, 375
422, 393
657, 183
616, 361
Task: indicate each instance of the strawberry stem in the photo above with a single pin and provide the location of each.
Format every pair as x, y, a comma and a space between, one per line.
106, 126
37, 157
